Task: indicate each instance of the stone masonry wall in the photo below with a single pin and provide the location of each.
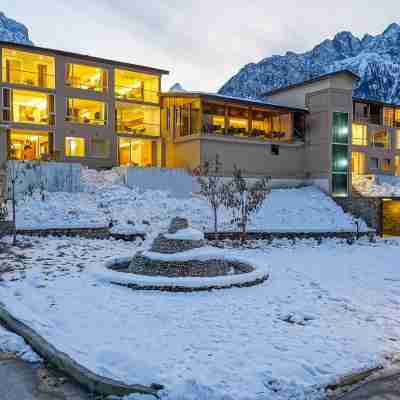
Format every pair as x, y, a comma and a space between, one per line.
367, 208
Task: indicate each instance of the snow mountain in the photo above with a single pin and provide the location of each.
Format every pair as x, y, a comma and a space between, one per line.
13, 31
376, 59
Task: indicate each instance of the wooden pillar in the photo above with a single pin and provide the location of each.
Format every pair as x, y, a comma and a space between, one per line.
250, 118
226, 119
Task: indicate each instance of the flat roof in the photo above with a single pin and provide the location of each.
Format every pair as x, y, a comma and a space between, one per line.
316, 79
371, 101
232, 99
85, 57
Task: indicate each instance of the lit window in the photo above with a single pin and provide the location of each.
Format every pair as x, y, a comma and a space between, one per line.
28, 145
138, 119
31, 69
138, 153
373, 163
100, 147
388, 116
360, 135
83, 111
74, 147
397, 163
387, 165
86, 77
398, 139
358, 163
131, 85
381, 139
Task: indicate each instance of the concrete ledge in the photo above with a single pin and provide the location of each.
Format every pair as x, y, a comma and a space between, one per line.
93, 382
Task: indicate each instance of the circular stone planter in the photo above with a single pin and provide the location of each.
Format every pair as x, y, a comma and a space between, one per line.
190, 271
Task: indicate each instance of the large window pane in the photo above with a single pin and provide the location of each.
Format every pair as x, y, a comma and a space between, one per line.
86, 77
339, 185
381, 139
359, 163
74, 147
83, 111
138, 152
30, 107
388, 116
214, 118
340, 128
24, 68
28, 145
138, 119
360, 135
130, 85
339, 158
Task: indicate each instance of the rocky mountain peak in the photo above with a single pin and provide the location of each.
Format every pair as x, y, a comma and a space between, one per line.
13, 31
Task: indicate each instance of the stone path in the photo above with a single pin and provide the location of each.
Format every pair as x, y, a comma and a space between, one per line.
387, 388
24, 381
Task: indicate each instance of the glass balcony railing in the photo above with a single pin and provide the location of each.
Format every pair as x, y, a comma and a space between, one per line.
145, 129
86, 84
86, 120
28, 78
140, 94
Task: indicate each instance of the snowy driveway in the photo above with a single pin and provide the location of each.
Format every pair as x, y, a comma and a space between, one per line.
326, 310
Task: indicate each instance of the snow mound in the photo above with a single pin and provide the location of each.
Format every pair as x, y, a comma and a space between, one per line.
377, 186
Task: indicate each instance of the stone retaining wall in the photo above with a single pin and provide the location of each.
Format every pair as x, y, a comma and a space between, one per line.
367, 208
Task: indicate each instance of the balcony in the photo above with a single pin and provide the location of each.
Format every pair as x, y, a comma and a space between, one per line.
88, 112
130, 85
86, 77
28, 69
136, 119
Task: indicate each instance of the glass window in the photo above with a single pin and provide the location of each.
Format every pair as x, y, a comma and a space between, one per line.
74, 147
131, 85
381, 139
373, 163
138, 119
339, 185
138, 152
238, 121
86, 77
83, 111
397, 163
388, 117
30, 107
397, 118
358, 163
387, 165
28, 145
360, 135
100, 147
340, 128
213, 118
32, 69
340, 158
398, 139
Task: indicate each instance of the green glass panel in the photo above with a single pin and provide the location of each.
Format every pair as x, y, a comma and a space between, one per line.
340, 158
339, 184
340, 128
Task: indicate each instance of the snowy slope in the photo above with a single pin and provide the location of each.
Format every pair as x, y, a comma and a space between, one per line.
376, 59
13, 31
106, 198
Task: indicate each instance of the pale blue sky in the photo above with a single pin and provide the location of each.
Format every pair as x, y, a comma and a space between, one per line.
204, 42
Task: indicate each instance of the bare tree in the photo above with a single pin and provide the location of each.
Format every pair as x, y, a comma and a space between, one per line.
212, 186
245, 199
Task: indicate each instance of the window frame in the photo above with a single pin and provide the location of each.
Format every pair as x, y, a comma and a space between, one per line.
67, 138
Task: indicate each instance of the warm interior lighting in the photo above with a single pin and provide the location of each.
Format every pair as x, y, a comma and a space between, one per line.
74, 147
28, 145
131, 85
25, 68
30, 107
86, 111
138, 153
86, 77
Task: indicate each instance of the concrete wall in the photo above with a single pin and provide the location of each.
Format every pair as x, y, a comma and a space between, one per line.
55, 177
177, 181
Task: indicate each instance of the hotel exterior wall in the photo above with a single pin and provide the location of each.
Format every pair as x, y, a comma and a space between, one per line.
63, 128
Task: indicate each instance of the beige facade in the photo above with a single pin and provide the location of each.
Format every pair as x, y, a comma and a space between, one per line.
78, 108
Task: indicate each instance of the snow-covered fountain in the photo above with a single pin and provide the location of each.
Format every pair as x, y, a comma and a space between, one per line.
180, 260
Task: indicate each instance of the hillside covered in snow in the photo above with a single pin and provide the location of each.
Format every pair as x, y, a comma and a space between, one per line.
13, 31
376, 59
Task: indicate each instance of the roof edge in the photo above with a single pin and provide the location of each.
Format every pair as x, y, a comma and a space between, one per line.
86, 57
309, 81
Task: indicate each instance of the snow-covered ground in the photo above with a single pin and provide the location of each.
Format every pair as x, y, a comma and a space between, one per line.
326, 310
371, 186
106, 198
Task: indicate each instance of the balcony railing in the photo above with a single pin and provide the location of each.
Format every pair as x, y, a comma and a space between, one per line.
132, 93
85, 120
145, 129
85, 84
28, 78
371, 119
243, 133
